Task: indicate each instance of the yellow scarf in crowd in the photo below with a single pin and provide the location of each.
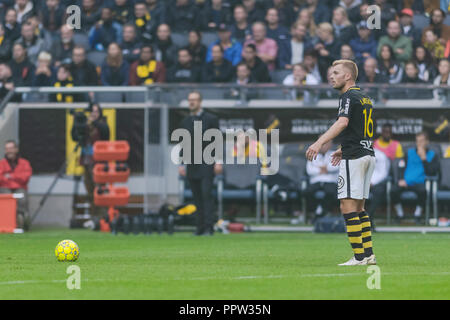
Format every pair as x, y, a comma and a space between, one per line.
140, 22
146, 71
65, 98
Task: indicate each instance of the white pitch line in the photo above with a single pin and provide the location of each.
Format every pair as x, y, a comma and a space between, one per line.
258, 277
30, 282
312, 275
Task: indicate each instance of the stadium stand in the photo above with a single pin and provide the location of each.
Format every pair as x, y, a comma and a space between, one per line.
422, 18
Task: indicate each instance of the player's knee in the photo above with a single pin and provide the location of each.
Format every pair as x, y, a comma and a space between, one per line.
343, 206
348, 206
360, 206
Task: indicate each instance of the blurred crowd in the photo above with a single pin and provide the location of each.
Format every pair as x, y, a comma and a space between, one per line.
139, 42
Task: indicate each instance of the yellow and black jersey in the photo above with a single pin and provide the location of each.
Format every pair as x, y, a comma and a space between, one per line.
356, 139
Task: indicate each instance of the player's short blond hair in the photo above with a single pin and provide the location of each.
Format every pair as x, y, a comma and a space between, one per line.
350, 65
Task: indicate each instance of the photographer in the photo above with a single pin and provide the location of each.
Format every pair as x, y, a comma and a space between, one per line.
86, 131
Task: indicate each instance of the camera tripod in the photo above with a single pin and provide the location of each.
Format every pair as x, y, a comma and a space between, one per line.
59, 175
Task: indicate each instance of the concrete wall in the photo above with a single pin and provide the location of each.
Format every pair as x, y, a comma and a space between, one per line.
57, 209
8, 125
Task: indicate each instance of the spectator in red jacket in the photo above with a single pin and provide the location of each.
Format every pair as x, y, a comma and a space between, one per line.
15, 172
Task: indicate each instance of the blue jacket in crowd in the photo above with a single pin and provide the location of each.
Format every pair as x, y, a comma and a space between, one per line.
101, 37
416, 169
232, 54
359, 47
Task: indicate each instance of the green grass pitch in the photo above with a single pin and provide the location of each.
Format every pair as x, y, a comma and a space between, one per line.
235, 266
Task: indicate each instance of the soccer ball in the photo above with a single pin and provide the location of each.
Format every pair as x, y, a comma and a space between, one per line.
67, 250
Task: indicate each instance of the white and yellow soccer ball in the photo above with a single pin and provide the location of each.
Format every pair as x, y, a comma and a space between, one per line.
67, 250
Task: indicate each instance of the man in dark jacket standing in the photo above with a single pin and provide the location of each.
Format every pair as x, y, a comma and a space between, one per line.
200, 176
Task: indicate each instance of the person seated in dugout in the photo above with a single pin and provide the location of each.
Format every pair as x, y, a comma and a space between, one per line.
322, 177
418, 163
378, 184
15, 173
389, 146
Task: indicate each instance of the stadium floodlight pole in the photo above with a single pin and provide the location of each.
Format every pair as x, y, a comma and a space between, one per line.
55, 180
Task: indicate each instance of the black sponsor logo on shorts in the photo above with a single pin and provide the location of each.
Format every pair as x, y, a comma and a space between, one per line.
340, 182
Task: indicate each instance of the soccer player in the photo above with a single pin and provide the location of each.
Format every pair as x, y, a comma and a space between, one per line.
356, 158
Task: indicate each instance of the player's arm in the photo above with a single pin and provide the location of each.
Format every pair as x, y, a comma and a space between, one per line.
334, 130
335, 159
331, 133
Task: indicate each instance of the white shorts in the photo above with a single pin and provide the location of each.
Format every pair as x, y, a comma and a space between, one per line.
354, 178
